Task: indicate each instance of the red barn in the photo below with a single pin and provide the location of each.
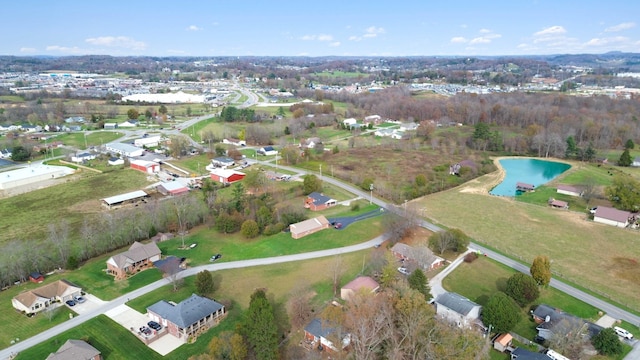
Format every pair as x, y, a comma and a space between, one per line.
148, 167
226, 176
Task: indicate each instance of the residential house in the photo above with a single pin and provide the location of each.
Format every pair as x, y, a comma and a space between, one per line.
28, 128
226, 176
129, 123
372, 119
139, 257
124, 149
384, 132
115, 161
172, 188
75, 350
636, 162
524, 354
569, 190
149, 167
421, 256
316, 335
110, 126
361, 283
188, 317
222, 161
349, 122
398, 135
308, 227
74, 119
317, 201
310, 143
552, 321
612, 216
503, 342
458, 309
267, 151
411, 126
39, 299
82, 157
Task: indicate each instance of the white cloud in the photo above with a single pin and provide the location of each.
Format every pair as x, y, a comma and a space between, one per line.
607, 41
551, 31
354, 38
64, 49
370, 32
193, 28
458, 39
28, 50
319, 37
485, 31
117, 41
480, 40
620, 27
335, 44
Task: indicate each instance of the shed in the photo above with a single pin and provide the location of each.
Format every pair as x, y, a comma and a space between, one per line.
172, 188
130, 197
226, 176
612, 216
569, 190
524, 187
148, 167
503, 342
559, 204
36, 277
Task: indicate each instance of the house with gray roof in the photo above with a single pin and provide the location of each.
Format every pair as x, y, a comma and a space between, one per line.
188, 317
554, 321
75, 350
458, 309
139, 257
317, 201
316, 335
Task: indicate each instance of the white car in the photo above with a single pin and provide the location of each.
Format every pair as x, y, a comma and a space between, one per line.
403, 270
623, 333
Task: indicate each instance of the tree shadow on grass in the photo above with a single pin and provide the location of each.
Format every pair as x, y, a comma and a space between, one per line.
501, 284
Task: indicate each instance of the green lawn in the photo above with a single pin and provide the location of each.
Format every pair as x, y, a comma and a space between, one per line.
67, 200
234, 288
93, 138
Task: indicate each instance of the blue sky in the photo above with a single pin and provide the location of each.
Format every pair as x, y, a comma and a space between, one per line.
318, 28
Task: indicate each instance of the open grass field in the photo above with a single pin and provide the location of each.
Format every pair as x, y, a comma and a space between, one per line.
484, 277
27, 216
602, 259
94, 138
233, 287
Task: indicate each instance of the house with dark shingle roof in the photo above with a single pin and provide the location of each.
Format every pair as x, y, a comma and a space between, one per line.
187, 317
524, 354
317, 201
458, 309
75, 350
611, 216
138, 257
316, 333
552, 321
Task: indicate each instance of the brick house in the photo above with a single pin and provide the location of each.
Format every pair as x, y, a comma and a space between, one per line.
139, 257
316, 201
188, 317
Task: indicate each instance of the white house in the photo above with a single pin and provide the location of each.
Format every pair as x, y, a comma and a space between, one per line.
611, 216
267, 151
408, 126
110, 126
151, 141
349, 122
129, 123
457, 309
372, 119
636, 162
82, 157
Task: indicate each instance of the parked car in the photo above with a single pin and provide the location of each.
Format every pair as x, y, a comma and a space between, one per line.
70, 303
593, 210
623, 333
403, 270
215, 257
338, 225
154, 325
79, 299
193, 245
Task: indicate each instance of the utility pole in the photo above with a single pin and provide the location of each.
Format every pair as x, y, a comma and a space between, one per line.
371, 194
320, 171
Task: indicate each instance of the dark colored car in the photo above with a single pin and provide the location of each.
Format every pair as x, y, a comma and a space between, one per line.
215, 257
70, 303
154, 325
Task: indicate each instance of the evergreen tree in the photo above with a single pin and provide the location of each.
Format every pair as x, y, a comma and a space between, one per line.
204, 282
625, 158
260, 328
522, 288
541, 270
590, 153
418, 281
607, 342
572, 147
501, 313
629, 144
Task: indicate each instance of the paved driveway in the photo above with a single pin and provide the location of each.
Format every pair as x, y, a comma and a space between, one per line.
91, 304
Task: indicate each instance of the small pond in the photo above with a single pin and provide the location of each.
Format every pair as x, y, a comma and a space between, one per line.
531, 171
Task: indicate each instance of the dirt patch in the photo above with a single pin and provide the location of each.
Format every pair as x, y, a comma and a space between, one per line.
627, 269
416, 236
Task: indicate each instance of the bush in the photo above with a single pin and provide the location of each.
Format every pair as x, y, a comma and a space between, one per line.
355, 207
250, 229
273, 229
522, 288
470, 257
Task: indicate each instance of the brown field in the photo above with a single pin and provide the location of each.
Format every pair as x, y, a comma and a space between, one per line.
602, 258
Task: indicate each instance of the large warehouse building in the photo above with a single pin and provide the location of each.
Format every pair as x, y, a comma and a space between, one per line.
31, 174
